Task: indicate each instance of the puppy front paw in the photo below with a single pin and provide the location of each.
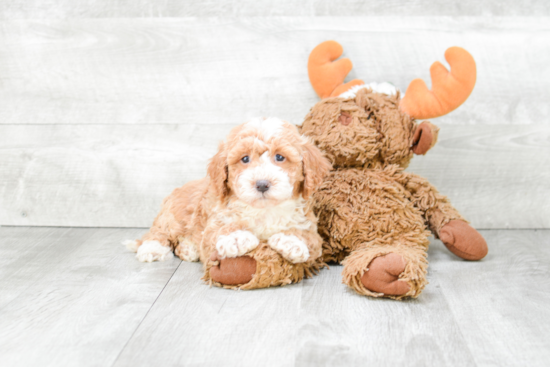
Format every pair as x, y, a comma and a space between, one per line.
150, 251
290, 247
236, 244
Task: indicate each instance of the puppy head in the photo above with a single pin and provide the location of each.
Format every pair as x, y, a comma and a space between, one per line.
265, 162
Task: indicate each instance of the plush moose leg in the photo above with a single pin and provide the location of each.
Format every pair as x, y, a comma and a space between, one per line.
444, 220
260, 268
395, 270
463, 240
231, 272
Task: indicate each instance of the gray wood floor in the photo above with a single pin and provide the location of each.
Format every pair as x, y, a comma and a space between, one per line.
75, 297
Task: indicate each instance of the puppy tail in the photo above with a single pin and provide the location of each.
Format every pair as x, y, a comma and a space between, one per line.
132, 245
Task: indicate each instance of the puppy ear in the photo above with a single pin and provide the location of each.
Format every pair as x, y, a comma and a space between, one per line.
219, 171
315, 168
425, 137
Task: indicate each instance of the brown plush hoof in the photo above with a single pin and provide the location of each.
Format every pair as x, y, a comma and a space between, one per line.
463, 240
383, 275
232, 271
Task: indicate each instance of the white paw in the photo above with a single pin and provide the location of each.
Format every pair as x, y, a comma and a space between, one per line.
290, 247
187, 250
150, 251
236, 244
131, 245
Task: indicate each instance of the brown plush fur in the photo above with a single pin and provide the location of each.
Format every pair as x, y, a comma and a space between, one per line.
368, 206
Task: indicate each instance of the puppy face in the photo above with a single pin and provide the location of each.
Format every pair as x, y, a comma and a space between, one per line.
265, 162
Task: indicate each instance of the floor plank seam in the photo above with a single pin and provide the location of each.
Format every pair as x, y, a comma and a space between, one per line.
145, 316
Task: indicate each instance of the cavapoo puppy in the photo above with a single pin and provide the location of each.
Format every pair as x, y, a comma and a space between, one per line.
250, 221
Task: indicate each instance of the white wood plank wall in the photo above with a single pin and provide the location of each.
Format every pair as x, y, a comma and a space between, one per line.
103, 113
26, 9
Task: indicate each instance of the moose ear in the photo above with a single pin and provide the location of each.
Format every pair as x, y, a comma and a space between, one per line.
425, 137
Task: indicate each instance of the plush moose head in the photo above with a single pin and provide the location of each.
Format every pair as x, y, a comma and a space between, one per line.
370, 125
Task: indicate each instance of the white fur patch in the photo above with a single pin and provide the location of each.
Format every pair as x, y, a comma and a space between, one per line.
268, 127
385, 88
188, 250
280, 188
150, 251
236, 244
265, 222
290, 247
131, 245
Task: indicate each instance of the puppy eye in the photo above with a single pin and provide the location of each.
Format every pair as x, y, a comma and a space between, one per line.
279, 158
245, 159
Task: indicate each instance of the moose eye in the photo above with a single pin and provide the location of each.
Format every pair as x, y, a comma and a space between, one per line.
279, 158
245, 159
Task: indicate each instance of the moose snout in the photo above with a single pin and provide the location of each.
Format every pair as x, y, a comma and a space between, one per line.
262, 185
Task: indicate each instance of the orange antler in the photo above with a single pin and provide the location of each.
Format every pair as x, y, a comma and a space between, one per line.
449, 89
325, 74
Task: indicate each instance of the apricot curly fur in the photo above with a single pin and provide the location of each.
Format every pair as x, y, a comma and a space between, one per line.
227, 202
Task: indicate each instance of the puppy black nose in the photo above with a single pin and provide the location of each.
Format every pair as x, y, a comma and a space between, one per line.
262, 185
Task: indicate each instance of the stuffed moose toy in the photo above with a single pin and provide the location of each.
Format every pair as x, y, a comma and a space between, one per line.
373, 216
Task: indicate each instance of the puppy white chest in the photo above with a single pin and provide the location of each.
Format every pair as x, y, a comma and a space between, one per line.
265, 222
